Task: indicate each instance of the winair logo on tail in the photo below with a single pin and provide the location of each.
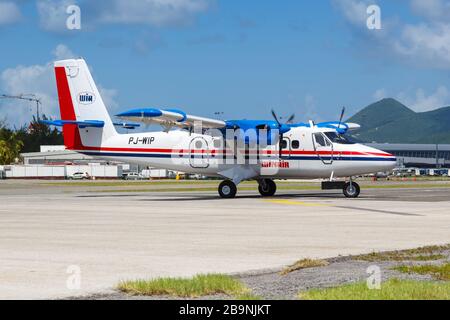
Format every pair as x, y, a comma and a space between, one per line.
86, 98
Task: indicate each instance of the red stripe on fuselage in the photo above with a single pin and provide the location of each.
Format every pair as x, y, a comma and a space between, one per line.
181, 151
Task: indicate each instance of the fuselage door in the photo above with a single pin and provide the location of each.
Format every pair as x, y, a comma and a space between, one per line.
199, 153
323, 147
286, 148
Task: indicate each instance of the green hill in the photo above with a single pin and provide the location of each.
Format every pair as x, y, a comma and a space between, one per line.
389, 121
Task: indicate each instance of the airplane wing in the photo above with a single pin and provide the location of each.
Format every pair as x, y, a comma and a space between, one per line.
341, 127
169, 118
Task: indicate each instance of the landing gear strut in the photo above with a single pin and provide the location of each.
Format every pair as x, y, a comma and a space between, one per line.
267, 187
351, 189
227, 189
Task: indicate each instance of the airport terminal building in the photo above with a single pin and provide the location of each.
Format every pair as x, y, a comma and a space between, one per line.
418, 155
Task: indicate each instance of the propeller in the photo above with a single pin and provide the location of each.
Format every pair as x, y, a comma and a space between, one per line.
282, 128
340, 126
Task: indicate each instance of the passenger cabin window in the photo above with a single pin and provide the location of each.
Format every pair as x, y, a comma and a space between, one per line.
295, 144
284, 144
198, 144
217, 144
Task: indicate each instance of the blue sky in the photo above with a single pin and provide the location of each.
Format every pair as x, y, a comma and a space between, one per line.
238, 57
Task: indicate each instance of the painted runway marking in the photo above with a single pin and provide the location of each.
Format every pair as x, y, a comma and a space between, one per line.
309, 204
298, 203
382, 211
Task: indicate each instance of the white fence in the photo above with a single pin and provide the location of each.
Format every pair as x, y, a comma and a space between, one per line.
98, 171
41, 171
157, 174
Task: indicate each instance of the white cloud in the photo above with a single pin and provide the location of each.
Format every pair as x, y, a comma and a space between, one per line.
309, 111
158, 13
109, 98
35, 79
430, 43
62, 52
420, 101
380, 94
355, 11
431, 9
9, 12
52, 14
38, 80
426, 42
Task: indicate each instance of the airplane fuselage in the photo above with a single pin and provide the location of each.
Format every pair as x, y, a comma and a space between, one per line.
302, 155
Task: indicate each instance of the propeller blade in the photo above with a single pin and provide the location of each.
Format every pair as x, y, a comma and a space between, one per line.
274, 115
342, 117
291, 119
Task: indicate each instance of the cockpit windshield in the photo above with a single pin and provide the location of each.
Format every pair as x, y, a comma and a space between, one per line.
338, 138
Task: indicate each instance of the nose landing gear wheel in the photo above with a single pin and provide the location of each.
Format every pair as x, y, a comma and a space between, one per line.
351, 190
267, 188
227, 189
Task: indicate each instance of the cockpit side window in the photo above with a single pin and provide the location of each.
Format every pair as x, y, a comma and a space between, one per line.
320, 140
338, 138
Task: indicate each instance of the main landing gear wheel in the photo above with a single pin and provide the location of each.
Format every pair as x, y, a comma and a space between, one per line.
267, 188
227, 189
352, 190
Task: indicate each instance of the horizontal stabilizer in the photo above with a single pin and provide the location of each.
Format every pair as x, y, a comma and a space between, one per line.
80, 124
126, 125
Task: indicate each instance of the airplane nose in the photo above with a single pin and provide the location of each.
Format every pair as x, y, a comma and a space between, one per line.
385, 160
390, 165
390, 161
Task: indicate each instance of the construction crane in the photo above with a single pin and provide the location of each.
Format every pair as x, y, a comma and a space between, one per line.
26, 97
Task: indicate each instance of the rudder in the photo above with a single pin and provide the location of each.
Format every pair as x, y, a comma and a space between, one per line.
80, 100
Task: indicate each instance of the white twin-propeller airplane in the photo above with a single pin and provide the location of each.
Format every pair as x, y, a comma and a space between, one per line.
233, 150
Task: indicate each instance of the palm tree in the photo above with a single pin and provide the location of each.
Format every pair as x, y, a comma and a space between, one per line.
10, 147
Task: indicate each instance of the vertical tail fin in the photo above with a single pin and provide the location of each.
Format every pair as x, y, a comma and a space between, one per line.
80, 100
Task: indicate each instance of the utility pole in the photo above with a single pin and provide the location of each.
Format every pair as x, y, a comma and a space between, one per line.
26, 97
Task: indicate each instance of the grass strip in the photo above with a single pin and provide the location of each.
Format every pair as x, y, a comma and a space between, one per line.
391, 290
197, 286
428, 253
439, 272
